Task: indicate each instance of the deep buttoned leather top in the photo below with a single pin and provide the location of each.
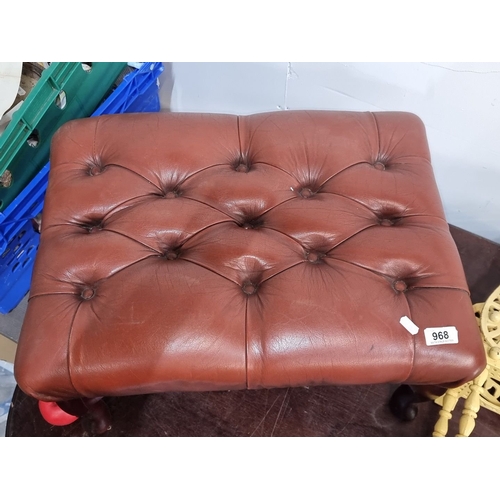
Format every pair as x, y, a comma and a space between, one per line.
212, 252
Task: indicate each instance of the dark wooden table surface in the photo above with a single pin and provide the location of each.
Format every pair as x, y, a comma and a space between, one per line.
314, 411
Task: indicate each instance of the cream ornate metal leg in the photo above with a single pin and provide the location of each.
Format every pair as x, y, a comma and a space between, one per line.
450, 400
472, 405
484, 390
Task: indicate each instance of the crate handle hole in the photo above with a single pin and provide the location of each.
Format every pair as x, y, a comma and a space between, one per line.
26, 262
61, 100
33, 139
5, 181
15, 266
87, 67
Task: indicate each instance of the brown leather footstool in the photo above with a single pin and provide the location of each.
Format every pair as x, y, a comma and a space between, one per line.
188, 252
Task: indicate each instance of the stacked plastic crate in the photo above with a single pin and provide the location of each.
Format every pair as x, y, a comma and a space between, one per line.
64, 92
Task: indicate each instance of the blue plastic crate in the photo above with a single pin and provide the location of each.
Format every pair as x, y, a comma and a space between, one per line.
18, 240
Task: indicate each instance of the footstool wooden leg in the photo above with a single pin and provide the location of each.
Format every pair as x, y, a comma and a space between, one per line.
67, 412
403, 403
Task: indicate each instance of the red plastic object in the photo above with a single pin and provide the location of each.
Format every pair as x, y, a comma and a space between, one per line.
54, 415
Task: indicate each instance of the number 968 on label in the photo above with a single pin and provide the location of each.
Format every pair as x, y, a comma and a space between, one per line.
441, 335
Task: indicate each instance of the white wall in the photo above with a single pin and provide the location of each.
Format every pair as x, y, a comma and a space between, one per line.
458, 102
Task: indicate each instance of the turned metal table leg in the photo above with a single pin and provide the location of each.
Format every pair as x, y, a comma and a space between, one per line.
471, 406
445, 414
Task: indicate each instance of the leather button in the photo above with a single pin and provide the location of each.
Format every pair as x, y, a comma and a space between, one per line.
241, 164
306, 192
95, 167
379, 165
386, 222
249, 288
390, 220
314, 257
242, 167
171, 254
87, 293
172, 193
400, 286
252, 224
95, 226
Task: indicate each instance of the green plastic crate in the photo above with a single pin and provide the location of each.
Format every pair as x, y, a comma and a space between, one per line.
66, 90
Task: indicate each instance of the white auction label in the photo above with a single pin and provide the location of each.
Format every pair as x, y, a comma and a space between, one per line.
441, 335
409, 325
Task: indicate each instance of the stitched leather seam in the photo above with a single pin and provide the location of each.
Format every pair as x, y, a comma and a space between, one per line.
256, 129
190, 237
210, 206
278, 168
270, 209
134, 172
350, 237
125, 267
118, 208
285, 234
202, 169
283, 270
397, 143
148, 199
441, 287
211, 270
378, 131
380, 275
51, 293
413, 338
350, 199
246, 343
239, 136
95, 137
340, 171
388, 277
68, 352
112, 212
114, 231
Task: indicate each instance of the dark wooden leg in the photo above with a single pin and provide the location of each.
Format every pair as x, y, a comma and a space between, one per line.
100, 417
95, 408
66, 412
403, 402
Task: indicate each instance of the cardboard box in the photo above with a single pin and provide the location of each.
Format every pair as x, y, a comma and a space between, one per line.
7, 349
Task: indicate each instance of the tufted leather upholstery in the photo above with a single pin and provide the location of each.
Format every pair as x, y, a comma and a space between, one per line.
207, 252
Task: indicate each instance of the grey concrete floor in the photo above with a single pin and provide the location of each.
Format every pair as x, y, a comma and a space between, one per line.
10, 324
10, 327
